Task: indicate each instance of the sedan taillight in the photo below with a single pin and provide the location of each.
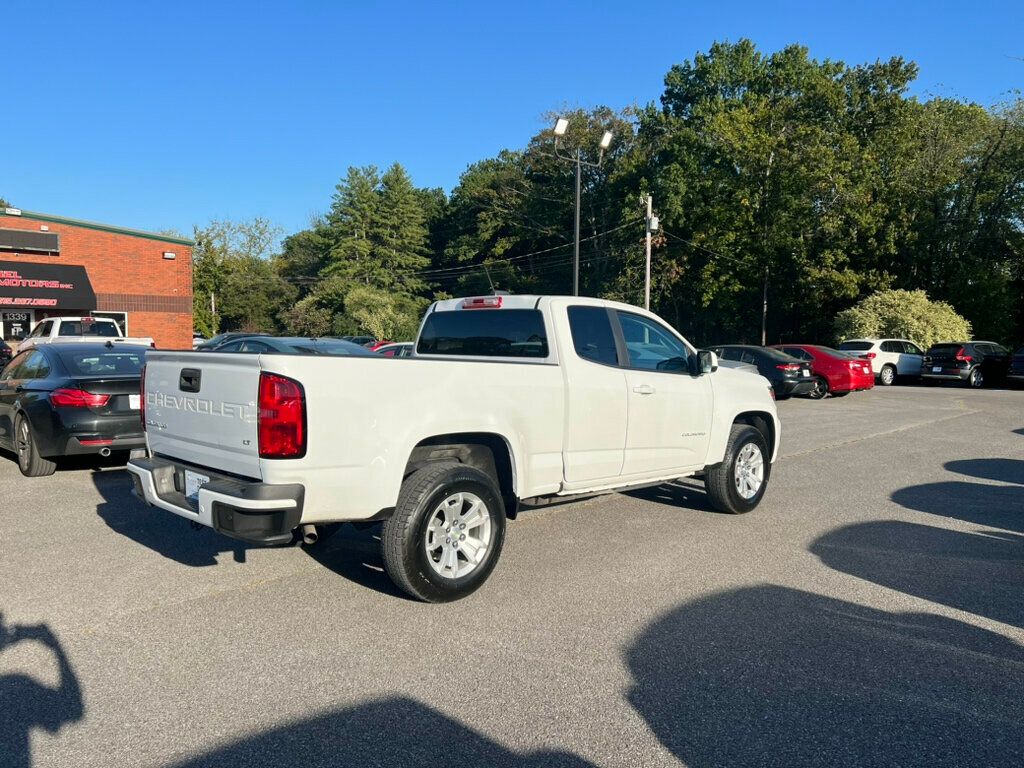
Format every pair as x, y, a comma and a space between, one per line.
789, 367
77, 398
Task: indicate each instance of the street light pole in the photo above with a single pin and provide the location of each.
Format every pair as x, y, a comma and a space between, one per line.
576, 231
561, 125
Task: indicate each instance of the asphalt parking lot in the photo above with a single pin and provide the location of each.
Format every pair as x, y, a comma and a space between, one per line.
870, 612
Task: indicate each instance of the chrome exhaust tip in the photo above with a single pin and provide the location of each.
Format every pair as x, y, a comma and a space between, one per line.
309, 534
104, 452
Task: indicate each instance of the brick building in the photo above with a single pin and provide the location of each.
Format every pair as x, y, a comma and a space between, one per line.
52, 266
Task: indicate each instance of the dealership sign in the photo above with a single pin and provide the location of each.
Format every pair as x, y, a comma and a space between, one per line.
45, 285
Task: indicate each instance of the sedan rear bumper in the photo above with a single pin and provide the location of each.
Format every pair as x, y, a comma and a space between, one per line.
851, 383
249, 510
83, 445
787, 387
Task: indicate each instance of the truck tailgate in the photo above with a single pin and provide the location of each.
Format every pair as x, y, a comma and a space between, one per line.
201, 408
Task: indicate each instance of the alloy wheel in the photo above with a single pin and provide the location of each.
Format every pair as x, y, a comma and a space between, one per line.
24, 444
749, 471
458, 535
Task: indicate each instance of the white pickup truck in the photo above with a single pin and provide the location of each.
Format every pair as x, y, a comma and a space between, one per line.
83, 329
507, 398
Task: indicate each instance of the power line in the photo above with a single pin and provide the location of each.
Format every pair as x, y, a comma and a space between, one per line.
706, 249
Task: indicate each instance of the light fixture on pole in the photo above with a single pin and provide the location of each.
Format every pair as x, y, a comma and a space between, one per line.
561, 126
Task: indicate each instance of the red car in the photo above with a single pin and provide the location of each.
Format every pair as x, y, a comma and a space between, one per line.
836, 373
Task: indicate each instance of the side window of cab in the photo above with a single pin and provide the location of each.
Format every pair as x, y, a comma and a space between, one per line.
651, 346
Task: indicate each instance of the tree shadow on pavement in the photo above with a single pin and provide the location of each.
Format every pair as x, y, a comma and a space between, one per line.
1001, 470
163, 532
772, 676
991, 505
26, 704
390, 733
981, 573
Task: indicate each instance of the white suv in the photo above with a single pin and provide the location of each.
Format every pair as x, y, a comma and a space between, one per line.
889, 357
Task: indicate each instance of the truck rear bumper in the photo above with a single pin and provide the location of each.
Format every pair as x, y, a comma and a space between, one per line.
252, 511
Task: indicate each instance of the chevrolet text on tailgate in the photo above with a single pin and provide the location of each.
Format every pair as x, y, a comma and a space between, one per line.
506, 399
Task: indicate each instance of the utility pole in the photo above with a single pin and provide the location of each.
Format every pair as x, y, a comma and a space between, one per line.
649, 225
764, 310
213, 311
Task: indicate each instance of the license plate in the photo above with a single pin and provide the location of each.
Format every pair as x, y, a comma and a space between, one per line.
193, 482
937, 369
135, 402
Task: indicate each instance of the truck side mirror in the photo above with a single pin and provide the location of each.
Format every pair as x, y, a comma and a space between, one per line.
707, 361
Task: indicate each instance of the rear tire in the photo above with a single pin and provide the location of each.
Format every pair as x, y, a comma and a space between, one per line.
976, 379
30, 462
737, 485
887, 376
819, 390
446, 533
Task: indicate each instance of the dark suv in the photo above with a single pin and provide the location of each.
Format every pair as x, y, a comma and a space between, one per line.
975, 363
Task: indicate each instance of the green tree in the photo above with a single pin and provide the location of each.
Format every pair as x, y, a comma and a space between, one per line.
351, 227
385, 315
230, 263
904, 315
400, 235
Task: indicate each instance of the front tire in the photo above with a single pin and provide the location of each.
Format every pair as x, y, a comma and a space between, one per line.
30, 462
446, 533
887, 376
737, 485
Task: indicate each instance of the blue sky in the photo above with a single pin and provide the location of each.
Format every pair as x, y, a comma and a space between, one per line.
163, 115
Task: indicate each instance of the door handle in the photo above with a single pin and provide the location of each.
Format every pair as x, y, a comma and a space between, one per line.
644, 389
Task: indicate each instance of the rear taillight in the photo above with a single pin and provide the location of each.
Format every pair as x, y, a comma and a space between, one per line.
281, 423
77, 398
789, 367
870, 355
142, 397
962, 356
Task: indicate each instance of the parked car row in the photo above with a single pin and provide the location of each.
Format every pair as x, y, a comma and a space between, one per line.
816, 371
803, 369
61, 399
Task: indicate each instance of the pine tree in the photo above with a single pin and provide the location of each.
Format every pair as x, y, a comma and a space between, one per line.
401, 232
350, 227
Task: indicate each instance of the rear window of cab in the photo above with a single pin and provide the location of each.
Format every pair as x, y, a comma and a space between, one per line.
485, 333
